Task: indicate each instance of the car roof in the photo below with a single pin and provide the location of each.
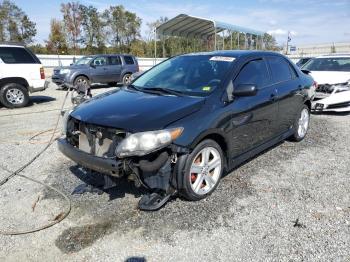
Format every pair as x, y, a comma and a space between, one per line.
235, 53
108, 55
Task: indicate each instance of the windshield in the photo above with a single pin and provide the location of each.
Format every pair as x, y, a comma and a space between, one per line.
83, 61
328, 64
188, 74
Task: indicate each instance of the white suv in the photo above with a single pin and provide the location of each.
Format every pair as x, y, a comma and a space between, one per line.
21, 73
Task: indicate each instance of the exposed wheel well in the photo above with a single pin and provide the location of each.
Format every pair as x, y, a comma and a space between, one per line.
16, 80
308, 103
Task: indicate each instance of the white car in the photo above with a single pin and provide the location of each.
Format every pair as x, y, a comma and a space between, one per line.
332, 74
21, 73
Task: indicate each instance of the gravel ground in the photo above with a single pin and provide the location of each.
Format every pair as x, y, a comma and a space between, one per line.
291, 203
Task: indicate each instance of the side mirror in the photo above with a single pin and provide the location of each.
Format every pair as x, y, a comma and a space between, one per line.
245, 90
92, 65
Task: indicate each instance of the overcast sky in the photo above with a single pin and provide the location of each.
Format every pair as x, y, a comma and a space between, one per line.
310, 21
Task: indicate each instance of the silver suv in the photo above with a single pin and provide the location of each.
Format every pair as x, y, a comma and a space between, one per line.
102, 69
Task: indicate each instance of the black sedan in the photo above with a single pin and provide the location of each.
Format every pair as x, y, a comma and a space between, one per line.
179, 127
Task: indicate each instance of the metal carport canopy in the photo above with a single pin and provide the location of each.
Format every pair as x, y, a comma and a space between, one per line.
191, 26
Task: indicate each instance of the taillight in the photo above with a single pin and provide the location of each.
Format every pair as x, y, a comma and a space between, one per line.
42, 73
315, 84
138, 68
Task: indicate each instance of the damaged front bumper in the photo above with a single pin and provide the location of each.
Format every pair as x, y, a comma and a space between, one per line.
104, 165
334, 98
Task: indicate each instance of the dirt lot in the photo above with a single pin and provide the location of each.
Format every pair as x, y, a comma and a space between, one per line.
291, 203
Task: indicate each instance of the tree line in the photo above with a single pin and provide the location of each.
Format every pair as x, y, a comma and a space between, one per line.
85, 30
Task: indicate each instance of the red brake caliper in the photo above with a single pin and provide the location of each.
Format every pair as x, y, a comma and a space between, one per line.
193, 177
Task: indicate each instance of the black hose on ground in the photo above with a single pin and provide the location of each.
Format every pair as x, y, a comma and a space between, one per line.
62, 215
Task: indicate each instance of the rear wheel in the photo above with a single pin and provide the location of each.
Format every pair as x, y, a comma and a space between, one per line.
203, 170
14, 95
301, 124
126, 79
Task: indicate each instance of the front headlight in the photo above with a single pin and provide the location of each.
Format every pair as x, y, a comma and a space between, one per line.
65, 121
64, 71
140, 144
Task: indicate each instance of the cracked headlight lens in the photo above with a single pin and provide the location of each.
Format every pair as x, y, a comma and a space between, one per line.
142, 143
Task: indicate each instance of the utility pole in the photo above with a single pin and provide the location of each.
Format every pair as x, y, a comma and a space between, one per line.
288, 40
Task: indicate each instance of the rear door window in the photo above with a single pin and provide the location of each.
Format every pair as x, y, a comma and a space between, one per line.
114, 60
280, 69
129, 60
17, 55
254, 72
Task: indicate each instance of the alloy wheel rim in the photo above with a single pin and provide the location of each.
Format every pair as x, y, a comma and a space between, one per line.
82, 81
15, 96
127, 79
303, 123
205, 170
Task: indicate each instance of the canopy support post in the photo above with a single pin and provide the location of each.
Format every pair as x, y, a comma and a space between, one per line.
155, 45
223, 40
238, 47
215, 39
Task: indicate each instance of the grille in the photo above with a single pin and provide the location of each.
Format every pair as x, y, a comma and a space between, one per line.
93, 139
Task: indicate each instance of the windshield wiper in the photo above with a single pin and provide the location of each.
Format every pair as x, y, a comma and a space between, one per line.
134, 87
163, 90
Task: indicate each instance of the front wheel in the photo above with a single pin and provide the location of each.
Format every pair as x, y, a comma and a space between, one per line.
82, 82
14, 95
301, 124
203, 170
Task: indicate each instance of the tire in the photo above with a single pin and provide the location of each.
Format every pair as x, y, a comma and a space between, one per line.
126, 79
82, 80
197, 186
301, 124
14, 95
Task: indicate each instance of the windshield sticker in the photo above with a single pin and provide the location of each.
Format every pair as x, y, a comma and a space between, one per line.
222, 58
206, 88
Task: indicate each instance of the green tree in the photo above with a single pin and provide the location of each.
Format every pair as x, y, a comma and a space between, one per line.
15, 25
72, 20
92, 28
122, 27
57, 42
270, 42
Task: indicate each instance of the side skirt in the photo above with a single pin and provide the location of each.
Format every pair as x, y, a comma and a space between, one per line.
236, 161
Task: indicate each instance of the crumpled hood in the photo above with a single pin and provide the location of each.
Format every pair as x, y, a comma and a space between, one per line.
136, 111
330, 77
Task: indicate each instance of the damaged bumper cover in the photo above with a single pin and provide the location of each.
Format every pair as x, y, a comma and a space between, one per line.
332, 98
104, 165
